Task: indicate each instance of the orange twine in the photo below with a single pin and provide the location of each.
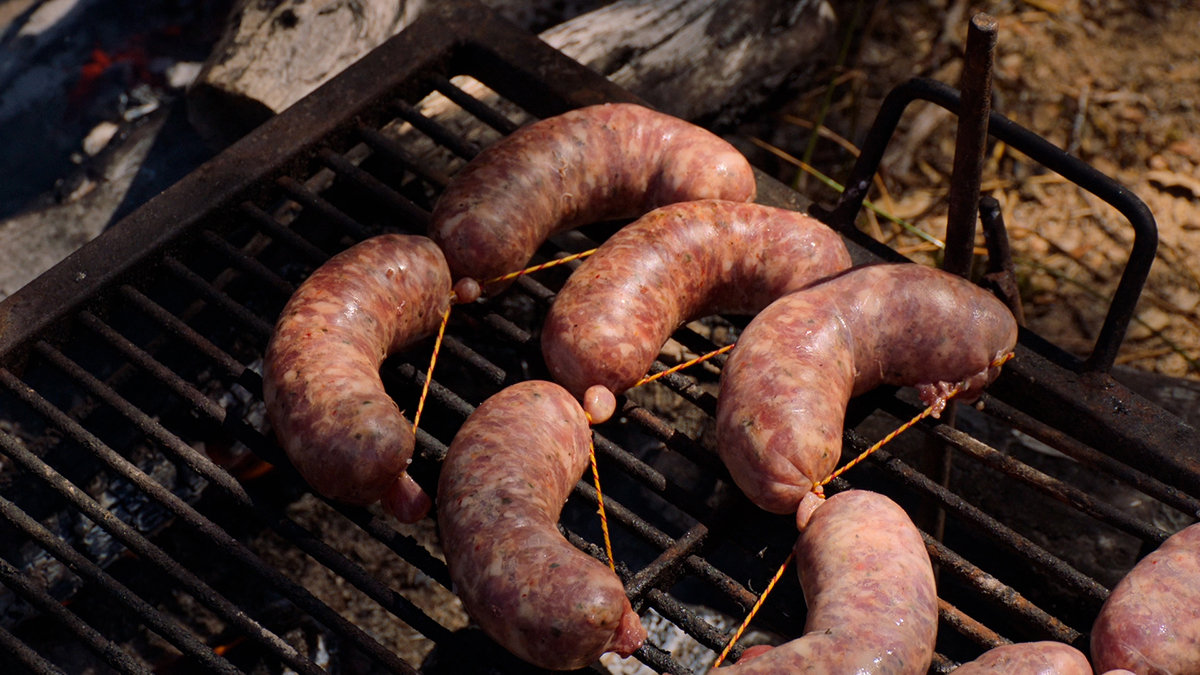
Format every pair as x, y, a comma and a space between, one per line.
753, 610
600, 501
904, 427
686, 364
539, 268
818, 489
437, 346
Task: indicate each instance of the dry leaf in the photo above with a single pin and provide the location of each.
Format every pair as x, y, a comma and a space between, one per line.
1165, 180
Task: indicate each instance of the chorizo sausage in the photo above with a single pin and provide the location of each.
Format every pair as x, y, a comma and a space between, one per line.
786, 384
603, 162
321, 382
1029, 658
872, 601
676, 264
1150, 623
505, 479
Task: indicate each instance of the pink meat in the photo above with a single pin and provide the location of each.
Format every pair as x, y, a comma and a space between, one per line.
1150, 624
507, 474
1029, 658
785, 387
615, 160
676, 264
321, 383
872, 602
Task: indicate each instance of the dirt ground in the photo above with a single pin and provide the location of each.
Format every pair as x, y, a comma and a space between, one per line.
1116, 83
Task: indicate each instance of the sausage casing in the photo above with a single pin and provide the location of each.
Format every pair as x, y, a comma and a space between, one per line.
616, 160
786, 384
505, 479
321, 382
1029, 658
872, 601
675, 264
1150, 623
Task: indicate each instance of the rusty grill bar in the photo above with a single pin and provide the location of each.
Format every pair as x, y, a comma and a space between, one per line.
151, 336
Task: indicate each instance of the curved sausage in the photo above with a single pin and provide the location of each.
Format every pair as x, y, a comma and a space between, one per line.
872, 601
507, 474
616, 160
1029, 658
1150, 624
676, 264
786, 384
321, 382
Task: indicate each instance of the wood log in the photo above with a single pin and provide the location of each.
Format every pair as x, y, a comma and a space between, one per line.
705, 60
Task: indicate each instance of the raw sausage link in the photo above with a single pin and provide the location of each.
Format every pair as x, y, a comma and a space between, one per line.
1150, 624
615, 160
507, 474
321, 382
1029, 658
872, 603
785, 387
676, 264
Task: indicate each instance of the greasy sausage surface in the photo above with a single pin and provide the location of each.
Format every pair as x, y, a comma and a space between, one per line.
675, 264
1029, 658
872, 603
1150, 624
507, 474
786, 384
616, 160
321, 383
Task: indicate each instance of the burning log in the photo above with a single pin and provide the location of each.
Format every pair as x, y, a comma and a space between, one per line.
702, 60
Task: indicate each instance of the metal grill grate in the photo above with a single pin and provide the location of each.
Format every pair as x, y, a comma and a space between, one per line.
131, 397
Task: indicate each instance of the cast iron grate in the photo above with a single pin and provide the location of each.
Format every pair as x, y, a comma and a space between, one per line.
131, 401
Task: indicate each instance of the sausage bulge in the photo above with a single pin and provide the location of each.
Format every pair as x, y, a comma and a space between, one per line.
603, 162
676, 264
872, 601
1029, 658
505, 479
1150, 624
786, 384
321, 382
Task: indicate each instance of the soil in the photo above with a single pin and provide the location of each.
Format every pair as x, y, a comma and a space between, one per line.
1115, 83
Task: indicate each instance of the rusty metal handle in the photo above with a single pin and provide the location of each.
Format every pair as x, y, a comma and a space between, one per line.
1145, 240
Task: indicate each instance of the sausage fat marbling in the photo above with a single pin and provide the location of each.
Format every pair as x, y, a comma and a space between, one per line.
1150, 624
872, 602
507, 474
675, 264
616, 160
786, 384
1029, 658
321, 382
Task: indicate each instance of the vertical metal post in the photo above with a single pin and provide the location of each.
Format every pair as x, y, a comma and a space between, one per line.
970, 144
1001, 276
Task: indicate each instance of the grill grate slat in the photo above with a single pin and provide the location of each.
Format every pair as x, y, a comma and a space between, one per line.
26, 656
1052, 487
1078, 451
138, 544
986, 584
209, 293
248, 264
90, 637
440, 134
972, 629
81, 566
399, 205
480, 110
293, 591
987, 524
